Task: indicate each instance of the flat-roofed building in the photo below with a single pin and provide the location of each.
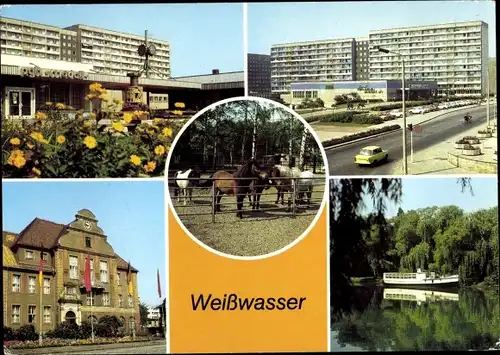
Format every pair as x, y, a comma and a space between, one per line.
311, 61
259, 75
453, 54
362, 59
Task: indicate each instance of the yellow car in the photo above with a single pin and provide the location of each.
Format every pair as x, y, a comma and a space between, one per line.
371, 155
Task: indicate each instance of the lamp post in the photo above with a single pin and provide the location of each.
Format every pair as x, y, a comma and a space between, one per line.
403, 104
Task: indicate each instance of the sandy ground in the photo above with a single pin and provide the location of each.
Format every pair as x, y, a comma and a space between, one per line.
249, 236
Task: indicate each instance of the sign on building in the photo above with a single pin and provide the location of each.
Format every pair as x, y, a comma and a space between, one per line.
51, 73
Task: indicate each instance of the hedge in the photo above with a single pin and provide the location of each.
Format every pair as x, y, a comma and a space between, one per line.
358, 117
363, 134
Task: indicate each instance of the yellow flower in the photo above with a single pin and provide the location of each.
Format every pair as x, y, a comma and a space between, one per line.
61, 139
140, 114
70, 108
150, 167
90, 97
95, 87
118, 126
60, 106
36, 171
127, 117
159, 150
118, 101
92, 116
15, 141
40, 116
167, 132
104, 97
38, 137
177, 112
30, 146
17, 158
87, 123
157, 121
90, 142
48, 103
136, 160
179, 105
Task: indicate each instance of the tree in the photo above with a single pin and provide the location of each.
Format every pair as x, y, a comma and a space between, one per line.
143, 311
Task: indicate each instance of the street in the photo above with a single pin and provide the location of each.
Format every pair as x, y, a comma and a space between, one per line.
151, 347
341, 159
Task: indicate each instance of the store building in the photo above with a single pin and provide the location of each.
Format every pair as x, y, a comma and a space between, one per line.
383, 90
64, 248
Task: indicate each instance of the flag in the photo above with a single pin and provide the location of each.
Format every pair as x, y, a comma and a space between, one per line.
129, 280
40, 271
87, 278
159, 284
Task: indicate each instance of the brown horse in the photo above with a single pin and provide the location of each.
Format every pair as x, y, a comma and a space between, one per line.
237, 184
257, 186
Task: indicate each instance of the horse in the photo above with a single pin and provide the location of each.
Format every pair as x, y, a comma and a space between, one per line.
256, 188
237, 184
283, 178
305, 185
185, 186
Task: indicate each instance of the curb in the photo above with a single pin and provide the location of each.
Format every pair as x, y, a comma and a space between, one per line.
385, 133
473, 165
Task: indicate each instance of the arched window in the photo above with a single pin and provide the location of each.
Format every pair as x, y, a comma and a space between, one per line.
131, 324
70, 317
122, 323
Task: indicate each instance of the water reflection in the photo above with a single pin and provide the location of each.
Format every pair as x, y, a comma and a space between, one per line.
409, 319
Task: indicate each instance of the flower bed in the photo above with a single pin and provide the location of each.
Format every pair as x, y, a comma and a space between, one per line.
484, 134
57, 146
49, 342
470, 150
461, 143
471, 140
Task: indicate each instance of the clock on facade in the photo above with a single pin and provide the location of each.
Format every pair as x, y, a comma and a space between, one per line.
87, 225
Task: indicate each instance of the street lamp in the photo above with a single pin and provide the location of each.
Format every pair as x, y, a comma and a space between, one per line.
403, 87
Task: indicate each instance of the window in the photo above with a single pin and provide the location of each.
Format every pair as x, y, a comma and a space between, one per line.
16, 314
16, 283
32, 284
70, 290
88, 244
90, 299
130, 301
103, 267
46, 286
46, 314
73, 267
28, 254
118, 278
92, 274
31, 314
105, 299
120, 300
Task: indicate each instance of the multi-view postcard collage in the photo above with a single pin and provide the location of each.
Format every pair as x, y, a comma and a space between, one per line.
249, 177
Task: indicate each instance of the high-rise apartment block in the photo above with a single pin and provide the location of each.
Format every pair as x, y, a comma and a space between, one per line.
455, 55
259, 75
110, 52
311, 61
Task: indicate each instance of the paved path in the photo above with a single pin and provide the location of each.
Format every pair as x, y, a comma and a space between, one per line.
442, 128
151, 347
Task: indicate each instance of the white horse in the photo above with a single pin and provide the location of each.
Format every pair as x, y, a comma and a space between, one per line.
285, 183
305, 185
186, 186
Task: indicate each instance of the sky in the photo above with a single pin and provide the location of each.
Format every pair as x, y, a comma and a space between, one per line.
202, 37
426, 192
131, 214
275, 23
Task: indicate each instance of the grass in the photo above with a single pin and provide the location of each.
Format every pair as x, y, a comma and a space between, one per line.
258, 233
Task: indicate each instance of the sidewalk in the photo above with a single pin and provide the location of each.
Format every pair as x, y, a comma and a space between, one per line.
435, 159
328, 131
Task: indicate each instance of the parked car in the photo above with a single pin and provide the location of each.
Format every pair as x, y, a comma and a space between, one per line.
396, 113
371, 155
419, 110
387, 116
443, 106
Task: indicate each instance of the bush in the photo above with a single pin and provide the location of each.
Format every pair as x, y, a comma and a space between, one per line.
462, 141
357, 117
364, 134
469, 147
26, 332
67, 330
108, 327
8, 333
55, 145
367, 119
483, 132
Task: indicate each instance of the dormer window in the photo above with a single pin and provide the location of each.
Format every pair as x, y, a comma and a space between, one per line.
28, 254
88, 242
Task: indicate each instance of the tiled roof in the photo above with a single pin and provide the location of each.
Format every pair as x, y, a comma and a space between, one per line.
8, 238
40, 233
122, 264
9, 259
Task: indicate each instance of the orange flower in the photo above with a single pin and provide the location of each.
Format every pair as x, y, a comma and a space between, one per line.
150, 167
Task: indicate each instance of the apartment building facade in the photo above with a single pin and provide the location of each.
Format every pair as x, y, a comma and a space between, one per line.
454, 54
362, 63
64, 248
328, 60
110, 52
259, 75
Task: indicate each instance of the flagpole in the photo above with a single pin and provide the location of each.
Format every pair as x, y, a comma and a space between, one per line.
91, 317
40, 340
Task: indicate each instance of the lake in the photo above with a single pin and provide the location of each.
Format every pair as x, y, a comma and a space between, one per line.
394, 319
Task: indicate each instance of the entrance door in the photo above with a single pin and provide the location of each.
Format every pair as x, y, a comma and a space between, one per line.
20, 103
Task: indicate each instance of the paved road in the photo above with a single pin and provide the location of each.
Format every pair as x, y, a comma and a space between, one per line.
341, 159
152, 347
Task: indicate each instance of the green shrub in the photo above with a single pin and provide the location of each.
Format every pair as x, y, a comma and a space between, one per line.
8, 333
26, 332
108, 326
363, 134
66, 330
367, 119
